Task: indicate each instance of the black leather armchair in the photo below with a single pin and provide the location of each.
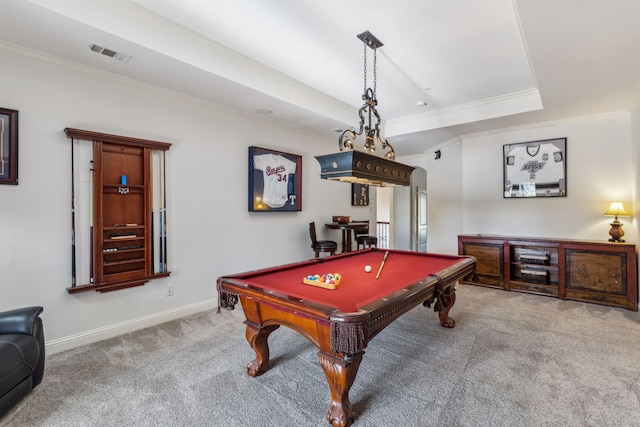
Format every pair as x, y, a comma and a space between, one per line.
21, 354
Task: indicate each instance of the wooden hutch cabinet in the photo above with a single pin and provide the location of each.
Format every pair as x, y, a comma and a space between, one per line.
122, 242
591, 271
123, 220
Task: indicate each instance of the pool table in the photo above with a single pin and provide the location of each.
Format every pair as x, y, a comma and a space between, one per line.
341, 321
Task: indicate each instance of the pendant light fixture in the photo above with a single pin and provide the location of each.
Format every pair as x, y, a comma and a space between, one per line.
362, 166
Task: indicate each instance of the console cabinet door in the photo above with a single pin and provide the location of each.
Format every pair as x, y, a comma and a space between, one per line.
489, 263
122, 217
597, 276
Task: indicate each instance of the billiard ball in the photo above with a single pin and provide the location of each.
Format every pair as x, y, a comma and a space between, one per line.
367, 269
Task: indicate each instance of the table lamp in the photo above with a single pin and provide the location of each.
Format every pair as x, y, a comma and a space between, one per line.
616, 209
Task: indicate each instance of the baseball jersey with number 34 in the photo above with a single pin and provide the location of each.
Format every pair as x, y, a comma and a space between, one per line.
275, 171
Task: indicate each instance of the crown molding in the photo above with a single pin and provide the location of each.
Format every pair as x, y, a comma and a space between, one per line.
505, 105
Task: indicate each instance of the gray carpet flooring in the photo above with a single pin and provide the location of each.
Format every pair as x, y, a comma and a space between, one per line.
513, 360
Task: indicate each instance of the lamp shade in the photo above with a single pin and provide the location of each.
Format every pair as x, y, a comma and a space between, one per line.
616, 209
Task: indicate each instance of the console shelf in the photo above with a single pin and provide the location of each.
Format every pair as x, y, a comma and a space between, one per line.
591, 271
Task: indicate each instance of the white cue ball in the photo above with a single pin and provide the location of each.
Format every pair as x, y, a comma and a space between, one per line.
367, 268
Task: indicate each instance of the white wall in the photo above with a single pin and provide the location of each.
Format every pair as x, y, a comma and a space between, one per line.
465, 185
383, 202
444, 198
403, 206
599, 171
635, 155
211, 231
635, 159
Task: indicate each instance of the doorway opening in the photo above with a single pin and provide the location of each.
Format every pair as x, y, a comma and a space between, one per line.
401, 214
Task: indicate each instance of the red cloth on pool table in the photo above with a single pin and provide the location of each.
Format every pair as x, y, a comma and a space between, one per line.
357, 287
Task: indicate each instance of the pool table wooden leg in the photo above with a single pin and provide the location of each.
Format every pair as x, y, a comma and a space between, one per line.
340, 373
257, 337
446, 300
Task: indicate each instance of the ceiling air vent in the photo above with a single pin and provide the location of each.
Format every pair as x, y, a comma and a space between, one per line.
123, 57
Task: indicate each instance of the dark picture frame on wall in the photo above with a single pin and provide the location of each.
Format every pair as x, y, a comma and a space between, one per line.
359, 195
275, 181
535, 169
8, 146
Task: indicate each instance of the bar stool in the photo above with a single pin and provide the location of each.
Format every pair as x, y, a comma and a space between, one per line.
363, 238
321, 245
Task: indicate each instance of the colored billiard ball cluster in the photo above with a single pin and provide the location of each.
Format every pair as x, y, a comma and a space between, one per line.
329, 279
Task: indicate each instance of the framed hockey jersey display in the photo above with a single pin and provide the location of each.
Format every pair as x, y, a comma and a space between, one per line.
275, 181
535, 169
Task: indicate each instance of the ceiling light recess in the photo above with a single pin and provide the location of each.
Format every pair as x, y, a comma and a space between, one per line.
363, 167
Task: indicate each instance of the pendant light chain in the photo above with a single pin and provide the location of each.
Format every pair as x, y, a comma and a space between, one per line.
375, 73
364, 91
369, 118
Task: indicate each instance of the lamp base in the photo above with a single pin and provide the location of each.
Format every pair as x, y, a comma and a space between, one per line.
616, 232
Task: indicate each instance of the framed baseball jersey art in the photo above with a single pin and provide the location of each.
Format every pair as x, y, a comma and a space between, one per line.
275, 181
535, 169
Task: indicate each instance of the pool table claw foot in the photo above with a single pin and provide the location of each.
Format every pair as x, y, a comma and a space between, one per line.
226, 300
447, 321
258, 338
446, 299
341, 373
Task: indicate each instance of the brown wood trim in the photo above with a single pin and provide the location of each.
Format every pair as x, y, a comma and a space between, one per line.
112, 286
562, 268
148, 238
98, 206
632, 289
522, 240
506, 266
118, 286
87, 135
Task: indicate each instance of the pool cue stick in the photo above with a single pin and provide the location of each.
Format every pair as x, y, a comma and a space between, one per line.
154, 267
91, 229
384, 259
163, 168
73, 222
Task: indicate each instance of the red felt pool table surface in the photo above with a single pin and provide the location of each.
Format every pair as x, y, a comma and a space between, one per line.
357, 288
342, 321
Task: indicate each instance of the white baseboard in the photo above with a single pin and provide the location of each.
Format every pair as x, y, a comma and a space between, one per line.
95, 335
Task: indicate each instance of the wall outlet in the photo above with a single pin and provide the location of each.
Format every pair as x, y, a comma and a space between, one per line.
169, 290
